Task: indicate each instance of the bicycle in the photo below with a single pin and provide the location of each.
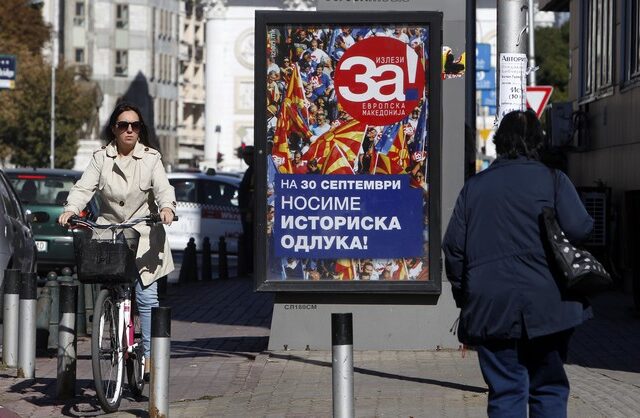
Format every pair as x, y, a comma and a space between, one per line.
116, 339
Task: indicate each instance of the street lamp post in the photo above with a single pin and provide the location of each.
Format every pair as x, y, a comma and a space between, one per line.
54, 65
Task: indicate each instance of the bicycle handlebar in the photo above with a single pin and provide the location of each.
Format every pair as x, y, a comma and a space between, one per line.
153, 218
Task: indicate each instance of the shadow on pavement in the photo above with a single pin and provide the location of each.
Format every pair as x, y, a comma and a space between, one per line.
219, 347
385, 375
84, 404
226, 302
611, 340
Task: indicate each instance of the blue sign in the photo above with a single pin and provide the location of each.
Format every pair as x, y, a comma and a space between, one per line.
492, 110
483, 57
347, 216
486, 80
7, 71
488, 98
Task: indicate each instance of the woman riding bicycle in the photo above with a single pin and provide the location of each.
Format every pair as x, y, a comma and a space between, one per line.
130, 182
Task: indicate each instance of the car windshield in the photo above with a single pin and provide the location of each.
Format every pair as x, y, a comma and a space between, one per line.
42, 190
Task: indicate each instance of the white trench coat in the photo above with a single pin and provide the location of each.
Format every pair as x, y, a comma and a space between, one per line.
147, 191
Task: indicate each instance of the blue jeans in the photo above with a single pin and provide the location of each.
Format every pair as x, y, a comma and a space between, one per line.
526, 374
146, 298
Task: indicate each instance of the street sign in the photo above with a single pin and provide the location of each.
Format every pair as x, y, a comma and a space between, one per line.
7, 71
488, 98
483, 57
538, 97
486, 80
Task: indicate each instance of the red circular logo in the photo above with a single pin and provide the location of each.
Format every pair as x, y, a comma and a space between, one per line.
379, 80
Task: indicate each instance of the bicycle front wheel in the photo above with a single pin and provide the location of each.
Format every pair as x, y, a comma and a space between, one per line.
107, 354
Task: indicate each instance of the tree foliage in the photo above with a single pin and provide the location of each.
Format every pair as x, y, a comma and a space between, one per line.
552, 55
22, 26
25, 118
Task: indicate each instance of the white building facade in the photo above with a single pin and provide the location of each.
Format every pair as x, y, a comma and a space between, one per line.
130, 50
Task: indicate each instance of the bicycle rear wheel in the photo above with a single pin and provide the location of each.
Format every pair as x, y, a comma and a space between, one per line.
107, 354
135, 365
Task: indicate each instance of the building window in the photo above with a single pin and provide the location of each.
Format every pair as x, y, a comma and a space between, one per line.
78, 17
632, 53
122, 16
597, 47
79, 55
122, 61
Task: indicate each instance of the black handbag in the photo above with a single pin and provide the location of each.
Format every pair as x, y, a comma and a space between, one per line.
578, 271
104, 260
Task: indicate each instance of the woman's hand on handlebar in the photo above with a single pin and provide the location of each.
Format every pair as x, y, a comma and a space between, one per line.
63, 219
166, 216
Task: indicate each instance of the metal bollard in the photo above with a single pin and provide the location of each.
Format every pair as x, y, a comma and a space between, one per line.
11, 315
43, 317
54, 288
66, 383
223, 263
160, 354
206, 260
88, 307
27, 339
342, 368
81, 316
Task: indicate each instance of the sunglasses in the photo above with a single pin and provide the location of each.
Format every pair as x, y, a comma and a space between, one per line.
123, 125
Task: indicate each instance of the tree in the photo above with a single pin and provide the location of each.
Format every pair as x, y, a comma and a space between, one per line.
25, 111
22, 25
552, 55
25, 115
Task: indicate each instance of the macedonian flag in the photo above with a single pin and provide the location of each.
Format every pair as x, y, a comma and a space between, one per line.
347, 136
336, 163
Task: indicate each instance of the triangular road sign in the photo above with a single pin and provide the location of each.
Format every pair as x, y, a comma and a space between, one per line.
538, 97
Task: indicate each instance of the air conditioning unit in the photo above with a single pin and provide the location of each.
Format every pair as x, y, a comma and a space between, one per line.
596, 201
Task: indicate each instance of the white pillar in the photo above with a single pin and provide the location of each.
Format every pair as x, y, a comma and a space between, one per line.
214, 73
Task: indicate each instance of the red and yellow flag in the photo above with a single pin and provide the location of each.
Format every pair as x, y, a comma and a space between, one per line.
280, 151
336, 163
348, 137
345, 268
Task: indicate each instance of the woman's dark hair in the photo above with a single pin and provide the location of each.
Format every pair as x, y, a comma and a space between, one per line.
143, 136
520, 135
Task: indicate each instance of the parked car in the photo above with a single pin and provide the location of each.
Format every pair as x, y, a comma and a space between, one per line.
17, 246
207, 206
44, 191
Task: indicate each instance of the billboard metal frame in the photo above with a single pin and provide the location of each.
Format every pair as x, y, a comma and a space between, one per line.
266, 19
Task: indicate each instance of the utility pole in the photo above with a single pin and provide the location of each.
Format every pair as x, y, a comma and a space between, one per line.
55, 19
532, 43
512, 56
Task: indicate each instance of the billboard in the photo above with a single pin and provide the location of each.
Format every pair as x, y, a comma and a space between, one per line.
348, 162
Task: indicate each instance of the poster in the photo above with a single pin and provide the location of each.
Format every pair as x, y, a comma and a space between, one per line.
348, 145
513, 82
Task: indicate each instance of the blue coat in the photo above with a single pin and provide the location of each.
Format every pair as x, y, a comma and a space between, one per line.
494, 257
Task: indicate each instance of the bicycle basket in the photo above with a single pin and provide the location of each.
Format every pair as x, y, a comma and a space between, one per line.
100, 260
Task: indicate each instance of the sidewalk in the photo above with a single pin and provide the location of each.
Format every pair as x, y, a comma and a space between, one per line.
219, 368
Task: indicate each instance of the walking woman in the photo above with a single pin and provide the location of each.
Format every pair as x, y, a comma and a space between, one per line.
130, 181
511, 306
